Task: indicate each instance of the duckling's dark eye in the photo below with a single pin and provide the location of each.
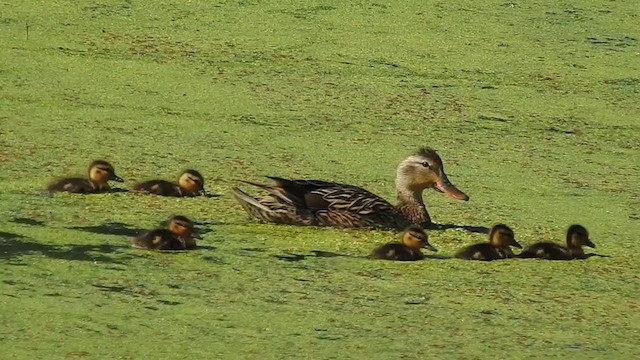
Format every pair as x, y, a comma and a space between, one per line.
425, 164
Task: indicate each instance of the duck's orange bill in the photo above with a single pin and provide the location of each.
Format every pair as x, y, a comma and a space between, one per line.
443, 185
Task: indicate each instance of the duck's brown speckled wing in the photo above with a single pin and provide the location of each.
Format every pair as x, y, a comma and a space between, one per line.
321, 203
352, 207
546, 250
76, 185
159, 239
158, 187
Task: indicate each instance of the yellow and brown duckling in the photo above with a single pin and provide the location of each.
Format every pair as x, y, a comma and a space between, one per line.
322, 203
413, 239
179, 235
100, 172
190, 183
577, 237
501, 238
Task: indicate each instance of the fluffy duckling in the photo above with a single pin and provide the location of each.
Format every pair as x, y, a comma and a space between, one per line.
190, 183
501, 238
577, 237
413, 239
100, 172
180, 235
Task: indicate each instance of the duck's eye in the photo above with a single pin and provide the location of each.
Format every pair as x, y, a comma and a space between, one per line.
425, 164
417, 237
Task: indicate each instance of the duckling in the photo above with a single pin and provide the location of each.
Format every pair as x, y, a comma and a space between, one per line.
577, 237
100, 172
413, 239
190, 183
501, 238
322, 203
180, 235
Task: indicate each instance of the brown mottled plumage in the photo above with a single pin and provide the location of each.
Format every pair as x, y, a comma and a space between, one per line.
100, 172
577, 237
322, 203
500, 239
413, 239
180, 235
190, 183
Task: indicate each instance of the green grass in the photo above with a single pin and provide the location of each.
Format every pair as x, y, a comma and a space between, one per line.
533, 107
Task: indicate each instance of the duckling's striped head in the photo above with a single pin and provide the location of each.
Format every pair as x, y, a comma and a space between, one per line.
192, 181
578, 236
501, 235
182, 226
424, 170
101, 171
415, 237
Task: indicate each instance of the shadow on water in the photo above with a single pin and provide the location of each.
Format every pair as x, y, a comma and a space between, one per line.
15, 245
27, 221
113, 228
291, 257
596, 255
116, 191
469, 228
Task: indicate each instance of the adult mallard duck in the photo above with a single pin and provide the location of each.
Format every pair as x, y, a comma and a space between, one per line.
501, 238
413, 239
100, 172
180, 235
322, 203
577, 237
190, 183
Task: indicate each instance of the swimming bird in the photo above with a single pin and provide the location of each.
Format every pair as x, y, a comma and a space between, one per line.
100, 172
180, 235
414, 238
501, 238
190, 183
577, 237
323, 203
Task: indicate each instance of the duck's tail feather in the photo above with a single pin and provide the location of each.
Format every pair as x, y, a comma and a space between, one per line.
254, 208
276, 191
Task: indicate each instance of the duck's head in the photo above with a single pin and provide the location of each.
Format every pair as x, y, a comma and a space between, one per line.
182, 226
424, 170
101, 171
415, 237
501, 235
578, 236
192, 181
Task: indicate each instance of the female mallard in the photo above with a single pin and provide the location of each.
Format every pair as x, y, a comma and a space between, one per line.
100, 172
190, 183
577, 237
321, 203
413, 239
500, 239
180, 235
